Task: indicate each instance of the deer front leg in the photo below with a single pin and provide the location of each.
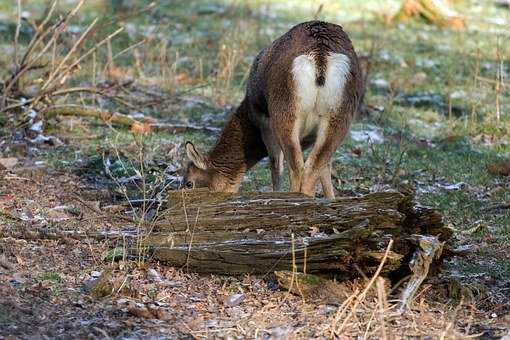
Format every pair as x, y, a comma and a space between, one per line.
276, 170
330, 134
275, 158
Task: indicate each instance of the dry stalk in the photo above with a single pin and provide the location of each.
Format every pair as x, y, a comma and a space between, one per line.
16, 35
358, 298
46, 38
111, 59
143, 227
382, 304
73, 49
499, 80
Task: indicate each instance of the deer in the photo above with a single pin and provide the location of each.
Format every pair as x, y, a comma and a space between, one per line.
303, 92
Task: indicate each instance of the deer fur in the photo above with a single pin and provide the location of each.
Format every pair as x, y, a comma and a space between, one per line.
302, 92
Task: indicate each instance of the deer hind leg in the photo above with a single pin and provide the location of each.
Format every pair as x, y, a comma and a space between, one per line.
330, 134
288, 138
327, 184
275, 158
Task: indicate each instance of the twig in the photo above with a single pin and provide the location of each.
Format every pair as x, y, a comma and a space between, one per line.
72, 90
502, 206
127, 49
41, 33
58, 69
63, 75
45, 234
493, 82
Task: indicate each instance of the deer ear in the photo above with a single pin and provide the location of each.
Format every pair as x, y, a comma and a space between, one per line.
195, 156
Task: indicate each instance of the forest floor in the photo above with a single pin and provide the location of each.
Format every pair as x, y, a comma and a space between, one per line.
434, 124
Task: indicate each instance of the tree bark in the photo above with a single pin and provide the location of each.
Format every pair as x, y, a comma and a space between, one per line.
263, 232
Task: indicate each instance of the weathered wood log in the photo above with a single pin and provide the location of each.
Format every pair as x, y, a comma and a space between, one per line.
264, 232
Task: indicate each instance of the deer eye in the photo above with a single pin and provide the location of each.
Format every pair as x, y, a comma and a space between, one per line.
189, 185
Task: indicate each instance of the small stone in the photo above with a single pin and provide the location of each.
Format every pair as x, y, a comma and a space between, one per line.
87, 285
234, 300
5, 263
380, 84
122, 301
153, 275
95, 274
8, 163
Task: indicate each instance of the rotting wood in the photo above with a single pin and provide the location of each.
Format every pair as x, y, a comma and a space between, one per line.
264, 232
429, 248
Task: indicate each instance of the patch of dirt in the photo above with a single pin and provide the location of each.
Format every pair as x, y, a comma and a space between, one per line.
45, 283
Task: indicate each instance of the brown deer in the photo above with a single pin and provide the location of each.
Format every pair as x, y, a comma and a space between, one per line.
303, 91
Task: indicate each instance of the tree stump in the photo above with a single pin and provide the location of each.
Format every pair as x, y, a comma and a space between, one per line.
264, 232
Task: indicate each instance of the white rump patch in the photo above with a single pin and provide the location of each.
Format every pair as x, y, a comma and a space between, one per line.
315, 103
304, 72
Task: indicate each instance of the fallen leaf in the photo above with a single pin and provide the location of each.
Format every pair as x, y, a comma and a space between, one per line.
5, 263
501, 169
181, 77
8, 163
141, 128
160, 313
141, 312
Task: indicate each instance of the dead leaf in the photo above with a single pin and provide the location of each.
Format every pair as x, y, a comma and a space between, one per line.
141, 128
5, 263
8, 163
181, 77
160, 313
500, 169
141, 312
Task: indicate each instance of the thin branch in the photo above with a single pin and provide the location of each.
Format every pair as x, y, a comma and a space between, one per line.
68, 55
119, 118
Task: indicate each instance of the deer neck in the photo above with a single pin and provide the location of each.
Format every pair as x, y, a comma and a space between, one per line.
239, 147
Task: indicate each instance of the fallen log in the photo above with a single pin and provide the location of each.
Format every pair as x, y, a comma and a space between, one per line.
136, 125
265, 232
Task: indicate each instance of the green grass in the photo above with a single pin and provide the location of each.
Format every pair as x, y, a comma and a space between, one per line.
51, 277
